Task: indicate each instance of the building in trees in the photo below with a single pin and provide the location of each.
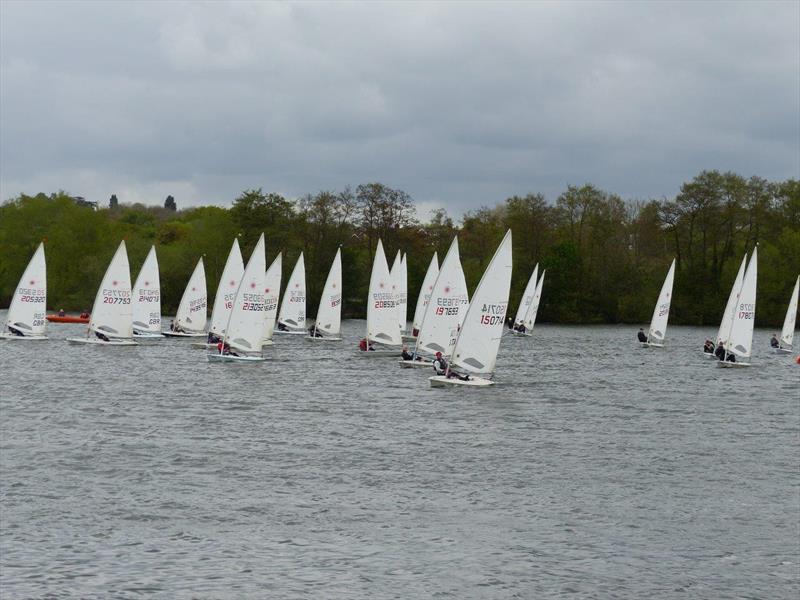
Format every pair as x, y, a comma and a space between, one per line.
113, 202
169, 203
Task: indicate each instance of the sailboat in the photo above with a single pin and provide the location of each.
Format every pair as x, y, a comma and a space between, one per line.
424, 297
448, 304
328, 325
400, 279
243, 334
475, 351
730, 307
190, 320
739, 340
111, 321
272, 289
147, 299
292, 316
525, 303
787, 333
382, 322
226, 292
26, 315
658, 324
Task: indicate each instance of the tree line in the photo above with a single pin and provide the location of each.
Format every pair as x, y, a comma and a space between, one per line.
605, 257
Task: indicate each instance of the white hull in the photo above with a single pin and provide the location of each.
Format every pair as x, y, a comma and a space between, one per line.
410, 364
442, 381
731, 365
223, 358
651, 345
324, 338
709, 355
183, 334
521, 334
291, 332
99, 342
782, 350
11, 336
409, 338
147, 334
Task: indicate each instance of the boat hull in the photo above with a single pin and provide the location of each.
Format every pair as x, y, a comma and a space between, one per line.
709, 356
379, 353
651, 345
147, 334
411, 364
324, 339
521, 333
227, 358
291, 332
731, 365
11, 336
440, 381
782, 350
97, 342
181, 334
409, 338
66, 319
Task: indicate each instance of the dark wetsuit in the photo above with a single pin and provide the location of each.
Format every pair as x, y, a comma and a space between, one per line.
642, 337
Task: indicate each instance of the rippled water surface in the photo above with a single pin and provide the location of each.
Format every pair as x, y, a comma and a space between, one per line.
593, 469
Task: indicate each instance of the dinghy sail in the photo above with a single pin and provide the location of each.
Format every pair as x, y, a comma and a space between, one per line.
272, 289
147, 299
445, 312
111, 322
530, 318
476, 347
382, 321
658, 324
190, 320
292, 316
26, 315
527, 297
244, 331
328, 324
739, 340
424, 297
226, 293
730, 307
787, 332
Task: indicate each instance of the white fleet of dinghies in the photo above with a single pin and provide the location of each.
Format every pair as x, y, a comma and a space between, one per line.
328, 325
111, 322
382, 322
424, 297
243, 335
292, 316
475, 351
26, 315
147, 299
739, 339
658, 324
787, 333
445, 312
190, 320
272, 289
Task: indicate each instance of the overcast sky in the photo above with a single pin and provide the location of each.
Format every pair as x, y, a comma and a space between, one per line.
459, 104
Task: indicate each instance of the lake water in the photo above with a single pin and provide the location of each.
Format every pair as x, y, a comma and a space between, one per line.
594, 469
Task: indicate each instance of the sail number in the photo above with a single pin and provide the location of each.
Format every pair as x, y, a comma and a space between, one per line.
115, 300
442, 310
746, 311
34, 299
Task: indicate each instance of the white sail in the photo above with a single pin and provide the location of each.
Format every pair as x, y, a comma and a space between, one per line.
329, 313
272, 289
447, 307
396, 277
293, 306
479, 339
191, 316
740, 340
112, 313
533, 309
787, 333
425, 293
226, 290
402, 294
245, 327
382, 303
730, 307
527, 296
147, 296
658, 324
29, 302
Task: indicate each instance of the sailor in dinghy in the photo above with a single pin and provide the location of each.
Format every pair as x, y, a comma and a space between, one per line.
25, 319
